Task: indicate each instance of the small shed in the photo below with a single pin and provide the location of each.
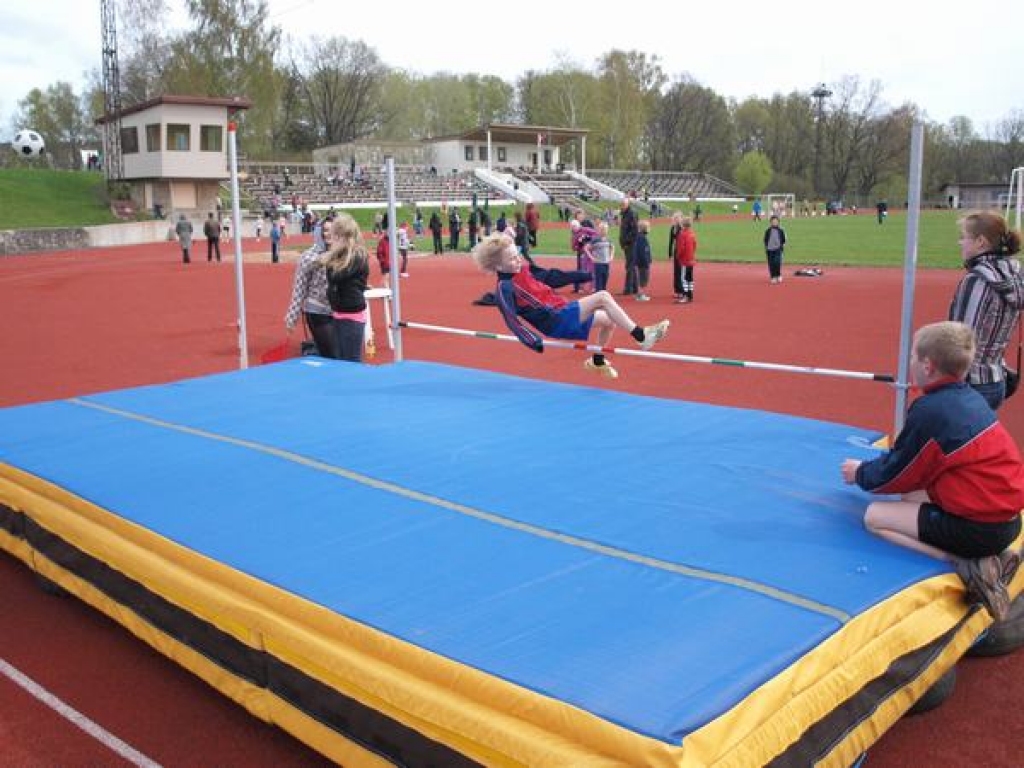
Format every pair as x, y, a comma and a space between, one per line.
174, 150
975, 195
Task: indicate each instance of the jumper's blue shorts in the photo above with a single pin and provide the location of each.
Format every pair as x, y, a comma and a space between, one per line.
569, 325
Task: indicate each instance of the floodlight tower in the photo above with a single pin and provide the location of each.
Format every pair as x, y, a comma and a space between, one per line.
113, 162
819, 94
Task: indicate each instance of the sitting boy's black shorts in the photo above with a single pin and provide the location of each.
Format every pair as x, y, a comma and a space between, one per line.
963, 537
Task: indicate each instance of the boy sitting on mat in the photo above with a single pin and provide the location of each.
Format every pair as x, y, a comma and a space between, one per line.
959, 469
521, 295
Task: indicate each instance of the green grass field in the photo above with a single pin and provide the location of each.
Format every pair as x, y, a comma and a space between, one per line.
832, 240
37, 197
31, 198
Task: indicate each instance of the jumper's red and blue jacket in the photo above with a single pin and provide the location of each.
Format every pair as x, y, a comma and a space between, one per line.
520, 294
529, 294
952, 446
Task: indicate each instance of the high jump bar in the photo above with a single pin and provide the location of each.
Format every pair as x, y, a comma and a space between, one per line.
863, 375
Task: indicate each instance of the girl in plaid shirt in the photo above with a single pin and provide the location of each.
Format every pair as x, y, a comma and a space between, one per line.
309, 296
989, 297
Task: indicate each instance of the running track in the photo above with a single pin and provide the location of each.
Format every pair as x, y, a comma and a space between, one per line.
88, 321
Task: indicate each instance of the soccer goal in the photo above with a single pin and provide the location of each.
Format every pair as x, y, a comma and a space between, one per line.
1014, 196
781, 204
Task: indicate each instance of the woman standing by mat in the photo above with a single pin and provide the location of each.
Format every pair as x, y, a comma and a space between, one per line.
989, 298
520, 294
348, 269
309, 296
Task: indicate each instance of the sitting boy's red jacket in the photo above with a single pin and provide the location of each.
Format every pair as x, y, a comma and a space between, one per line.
384, 253
953, 446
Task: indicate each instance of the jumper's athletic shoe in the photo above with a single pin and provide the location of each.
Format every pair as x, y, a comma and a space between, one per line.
605, 370
653, 334
983, 577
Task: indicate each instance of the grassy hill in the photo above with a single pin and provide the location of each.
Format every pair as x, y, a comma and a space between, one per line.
40, 197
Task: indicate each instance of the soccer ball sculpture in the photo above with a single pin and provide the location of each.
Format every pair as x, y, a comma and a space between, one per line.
28, 144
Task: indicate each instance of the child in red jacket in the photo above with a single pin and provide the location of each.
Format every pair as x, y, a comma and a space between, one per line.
685, 260
384, 257
959, 470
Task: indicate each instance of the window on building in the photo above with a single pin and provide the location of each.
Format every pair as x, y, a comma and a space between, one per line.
153, 137
178, 137
130, 140
469, 153
210, 138
481, 153
501, 155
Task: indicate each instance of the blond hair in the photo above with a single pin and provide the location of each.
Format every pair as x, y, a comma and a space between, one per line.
488, 252
644, 226
346, 244
948, 344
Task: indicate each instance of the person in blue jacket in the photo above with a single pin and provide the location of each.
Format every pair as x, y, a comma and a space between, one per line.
958, 468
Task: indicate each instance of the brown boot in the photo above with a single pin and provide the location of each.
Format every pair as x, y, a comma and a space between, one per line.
983, 578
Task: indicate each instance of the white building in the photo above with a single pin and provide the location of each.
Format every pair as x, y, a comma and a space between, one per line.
174, 150
497, 146
494, 147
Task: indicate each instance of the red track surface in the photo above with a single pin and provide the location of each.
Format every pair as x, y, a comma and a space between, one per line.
82, 322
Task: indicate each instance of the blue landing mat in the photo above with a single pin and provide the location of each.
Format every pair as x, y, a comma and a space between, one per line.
648, 561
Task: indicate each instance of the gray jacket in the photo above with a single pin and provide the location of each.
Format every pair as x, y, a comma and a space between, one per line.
183, 229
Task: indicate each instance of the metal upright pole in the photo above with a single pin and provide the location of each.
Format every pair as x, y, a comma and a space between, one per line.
396, 304
909, 274
243, 344
1020, 194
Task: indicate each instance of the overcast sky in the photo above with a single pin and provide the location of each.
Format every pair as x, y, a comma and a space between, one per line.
948, 58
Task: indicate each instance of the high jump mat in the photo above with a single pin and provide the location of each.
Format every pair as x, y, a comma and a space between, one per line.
424, 565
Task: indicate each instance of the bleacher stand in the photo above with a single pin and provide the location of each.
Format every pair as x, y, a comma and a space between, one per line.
666, 185
267, 186
274, 186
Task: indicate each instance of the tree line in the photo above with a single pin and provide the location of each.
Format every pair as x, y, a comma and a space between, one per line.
330, 90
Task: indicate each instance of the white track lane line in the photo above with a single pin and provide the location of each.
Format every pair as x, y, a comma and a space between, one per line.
76, 718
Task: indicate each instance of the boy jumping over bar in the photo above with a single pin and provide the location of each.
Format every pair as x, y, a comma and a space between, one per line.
521, 295
958, 468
